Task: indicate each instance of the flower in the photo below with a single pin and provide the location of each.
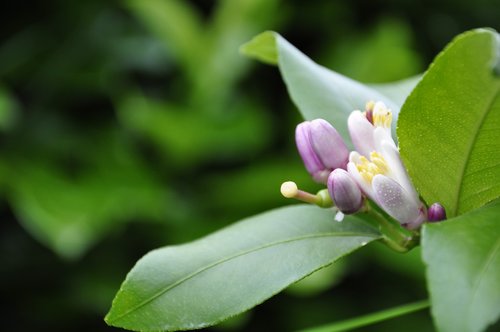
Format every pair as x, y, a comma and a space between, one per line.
344, 191
321, 147
377, 167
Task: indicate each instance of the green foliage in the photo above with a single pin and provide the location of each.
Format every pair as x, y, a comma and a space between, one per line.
384, 53
463, 270
317, 91
201, 283
448, 127
8, 110
204, 119
70, 212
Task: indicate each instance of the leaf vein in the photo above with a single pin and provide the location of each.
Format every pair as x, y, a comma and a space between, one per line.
471, 148
223, 260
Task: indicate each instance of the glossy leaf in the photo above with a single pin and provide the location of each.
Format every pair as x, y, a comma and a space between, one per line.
449, 125
317, 91
201, 283
463, 270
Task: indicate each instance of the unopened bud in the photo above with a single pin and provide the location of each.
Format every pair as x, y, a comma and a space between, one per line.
344, 191
436, 212
321, 147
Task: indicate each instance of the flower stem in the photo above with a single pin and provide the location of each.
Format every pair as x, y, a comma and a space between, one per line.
393, 234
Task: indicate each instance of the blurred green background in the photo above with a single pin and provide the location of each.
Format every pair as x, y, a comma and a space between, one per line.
130, 125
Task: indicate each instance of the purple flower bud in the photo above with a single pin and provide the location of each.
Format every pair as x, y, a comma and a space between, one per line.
344, 191
436, 212
321, 147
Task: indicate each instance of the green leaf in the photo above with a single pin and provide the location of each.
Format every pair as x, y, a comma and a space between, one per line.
463, 270
448, 128
317, 91
201, 283
399, 90
262, 47
70, 212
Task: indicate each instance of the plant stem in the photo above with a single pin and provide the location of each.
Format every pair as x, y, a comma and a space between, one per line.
371, 318
394, 235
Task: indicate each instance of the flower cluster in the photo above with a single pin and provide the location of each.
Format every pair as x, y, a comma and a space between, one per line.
374, 170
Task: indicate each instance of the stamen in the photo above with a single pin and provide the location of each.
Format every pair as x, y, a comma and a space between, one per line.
367, 176
289, 189
382, 116
369, 105
369, 111
369, 168
372, 168
378, 160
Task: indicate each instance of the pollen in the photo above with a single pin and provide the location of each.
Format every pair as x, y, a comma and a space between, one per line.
378, 160
382, 116
369, 168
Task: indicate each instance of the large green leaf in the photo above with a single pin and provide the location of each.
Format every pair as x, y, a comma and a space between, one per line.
448, 128
317, 91
463, 270
201, 283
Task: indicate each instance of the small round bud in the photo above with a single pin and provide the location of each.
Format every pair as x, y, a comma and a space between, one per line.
344, 191
436, 212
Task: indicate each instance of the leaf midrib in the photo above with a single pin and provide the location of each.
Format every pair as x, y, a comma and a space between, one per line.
471, 148
223, 260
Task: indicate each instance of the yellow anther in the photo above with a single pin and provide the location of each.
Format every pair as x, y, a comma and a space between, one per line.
363, 160
369, 106
378, 160
382, 116
372, 168
367, 176
369, 168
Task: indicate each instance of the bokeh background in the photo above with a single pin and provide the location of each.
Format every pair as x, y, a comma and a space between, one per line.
131, 125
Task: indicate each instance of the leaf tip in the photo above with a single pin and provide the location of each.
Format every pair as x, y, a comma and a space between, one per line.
262, 47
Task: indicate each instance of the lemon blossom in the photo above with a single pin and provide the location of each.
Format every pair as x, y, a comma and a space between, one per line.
377, 167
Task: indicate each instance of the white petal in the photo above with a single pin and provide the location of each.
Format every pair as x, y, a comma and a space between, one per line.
397, 169
382, 135
395, 200
354, 157
361, 132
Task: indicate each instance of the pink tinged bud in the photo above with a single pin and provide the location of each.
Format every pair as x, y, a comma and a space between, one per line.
321, 147
344, 191
436, 212
361, 132
397, 202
